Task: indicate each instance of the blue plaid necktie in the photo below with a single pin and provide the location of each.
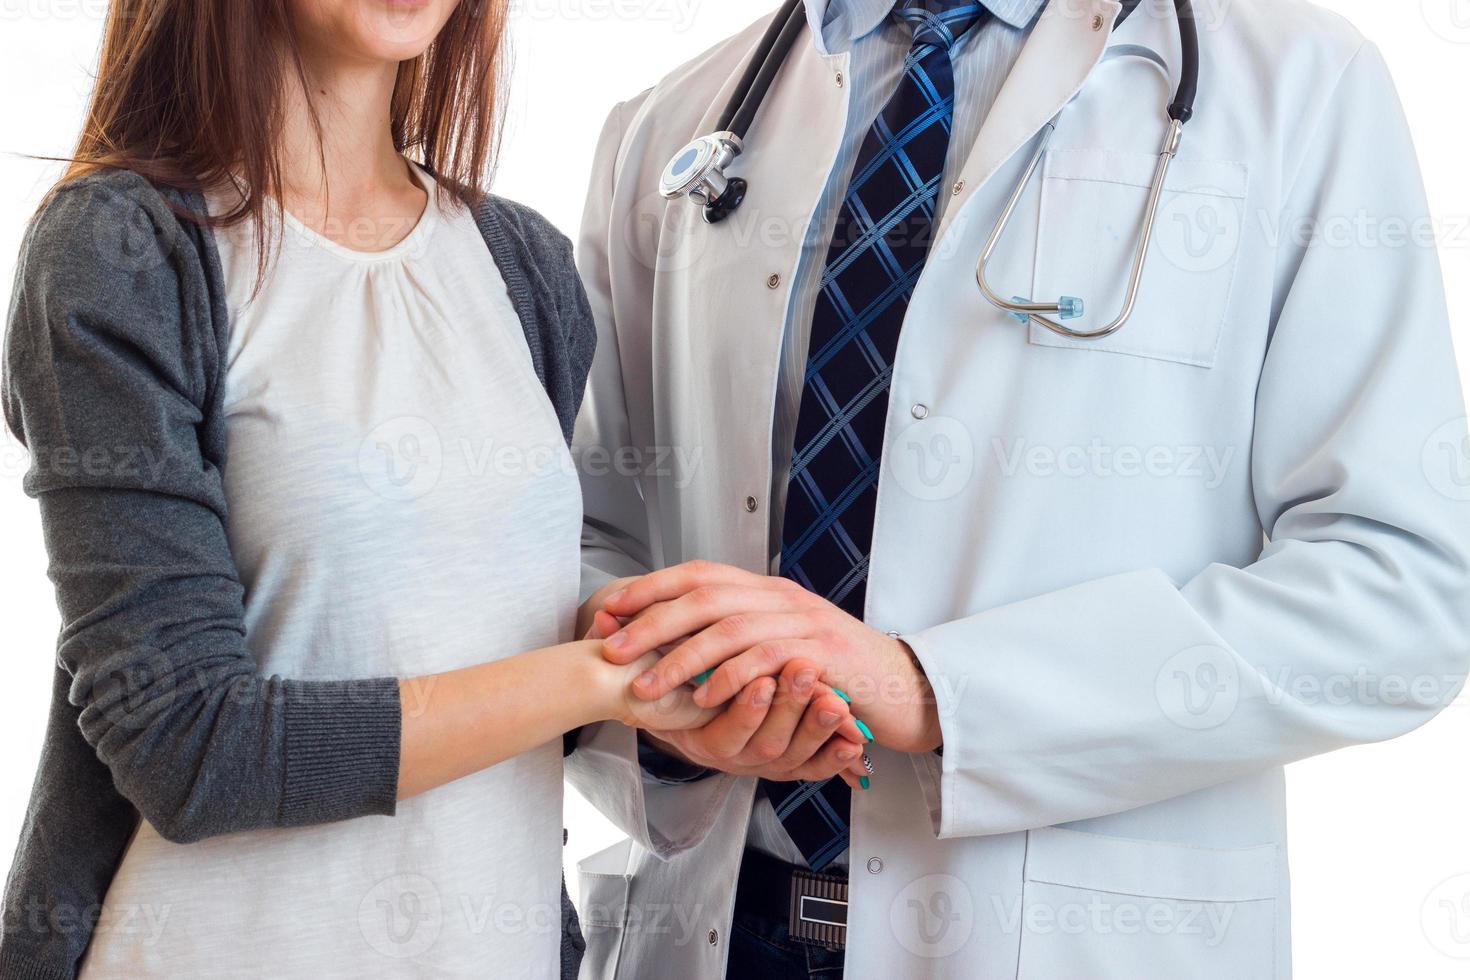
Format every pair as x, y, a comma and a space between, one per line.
877, 253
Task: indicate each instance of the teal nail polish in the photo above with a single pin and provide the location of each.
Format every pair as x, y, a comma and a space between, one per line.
842, 694
864, 782
867, 732
701, 678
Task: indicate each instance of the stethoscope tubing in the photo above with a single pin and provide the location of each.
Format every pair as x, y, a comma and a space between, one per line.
755, 82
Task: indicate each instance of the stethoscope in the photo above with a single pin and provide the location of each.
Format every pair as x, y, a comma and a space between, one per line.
698, 170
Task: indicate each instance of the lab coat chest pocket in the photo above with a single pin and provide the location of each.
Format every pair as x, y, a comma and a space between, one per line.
1104, 907
1092, 204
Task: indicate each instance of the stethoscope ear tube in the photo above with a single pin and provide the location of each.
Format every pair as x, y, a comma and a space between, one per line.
1182, 108
1180, 111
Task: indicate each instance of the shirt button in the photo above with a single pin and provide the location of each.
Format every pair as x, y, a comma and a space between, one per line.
894, 634
920, 411
751, 504
875, 865
774, 281
714, 937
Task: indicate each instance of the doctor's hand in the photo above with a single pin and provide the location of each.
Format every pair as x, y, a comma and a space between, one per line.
745, 626
787, 728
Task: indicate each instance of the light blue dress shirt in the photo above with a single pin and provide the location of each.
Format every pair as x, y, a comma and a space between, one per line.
877, 45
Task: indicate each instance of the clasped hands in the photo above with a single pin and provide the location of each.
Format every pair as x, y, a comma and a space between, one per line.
774, 655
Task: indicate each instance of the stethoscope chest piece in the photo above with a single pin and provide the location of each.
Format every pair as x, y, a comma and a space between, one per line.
698, 173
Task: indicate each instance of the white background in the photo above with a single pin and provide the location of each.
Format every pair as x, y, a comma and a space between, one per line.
1380, 853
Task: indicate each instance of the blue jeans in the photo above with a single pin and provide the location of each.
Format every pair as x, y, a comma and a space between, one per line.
761, 948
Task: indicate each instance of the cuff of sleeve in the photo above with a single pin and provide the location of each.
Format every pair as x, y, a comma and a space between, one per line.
931, 768
16, 966
342, 750
667, 770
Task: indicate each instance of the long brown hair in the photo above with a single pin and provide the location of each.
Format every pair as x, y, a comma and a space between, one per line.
189, 94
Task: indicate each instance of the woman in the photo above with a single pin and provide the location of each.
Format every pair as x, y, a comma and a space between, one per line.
297, 408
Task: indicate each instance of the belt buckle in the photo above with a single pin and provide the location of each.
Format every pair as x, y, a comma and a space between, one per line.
818, 909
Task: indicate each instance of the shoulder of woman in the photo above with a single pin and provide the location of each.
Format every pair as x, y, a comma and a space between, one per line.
108, 272
528, 228
109, 237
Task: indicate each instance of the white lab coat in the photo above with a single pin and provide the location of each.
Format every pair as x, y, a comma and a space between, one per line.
1142, 573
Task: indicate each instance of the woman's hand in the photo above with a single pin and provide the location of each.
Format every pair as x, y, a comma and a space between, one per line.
788, 728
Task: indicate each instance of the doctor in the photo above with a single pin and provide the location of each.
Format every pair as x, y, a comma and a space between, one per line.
1091, 595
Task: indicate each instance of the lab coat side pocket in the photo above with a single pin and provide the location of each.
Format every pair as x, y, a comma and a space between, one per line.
1091, 216
1104, 907
604, 883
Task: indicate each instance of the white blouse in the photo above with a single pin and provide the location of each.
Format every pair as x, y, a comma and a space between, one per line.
401, 503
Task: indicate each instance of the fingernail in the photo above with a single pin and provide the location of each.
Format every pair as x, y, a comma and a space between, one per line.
804, 681
615, 596
701, 678
828, 718
618, 640
867, 763
648, 678
867, 732
846, 755
761, 698
864, 782
841, 694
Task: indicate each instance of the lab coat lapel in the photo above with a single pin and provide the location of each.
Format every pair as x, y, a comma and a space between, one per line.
1065, 46
723, 292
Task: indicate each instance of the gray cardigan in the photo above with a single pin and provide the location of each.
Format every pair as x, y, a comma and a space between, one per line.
113, 378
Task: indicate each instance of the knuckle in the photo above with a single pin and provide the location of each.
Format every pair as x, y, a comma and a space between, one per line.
732, 626
704, 595
767, 749
770, 651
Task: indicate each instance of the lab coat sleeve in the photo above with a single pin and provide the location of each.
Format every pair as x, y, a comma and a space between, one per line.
615, 531
663, 818
1351, 626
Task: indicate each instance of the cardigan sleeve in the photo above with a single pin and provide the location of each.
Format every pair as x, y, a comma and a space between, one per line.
109, 371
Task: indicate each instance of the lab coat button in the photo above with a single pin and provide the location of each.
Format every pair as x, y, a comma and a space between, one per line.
875, 865
839, 79
774, 281
714, 937
959, 187
920, 411
1097, 23
751, 504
